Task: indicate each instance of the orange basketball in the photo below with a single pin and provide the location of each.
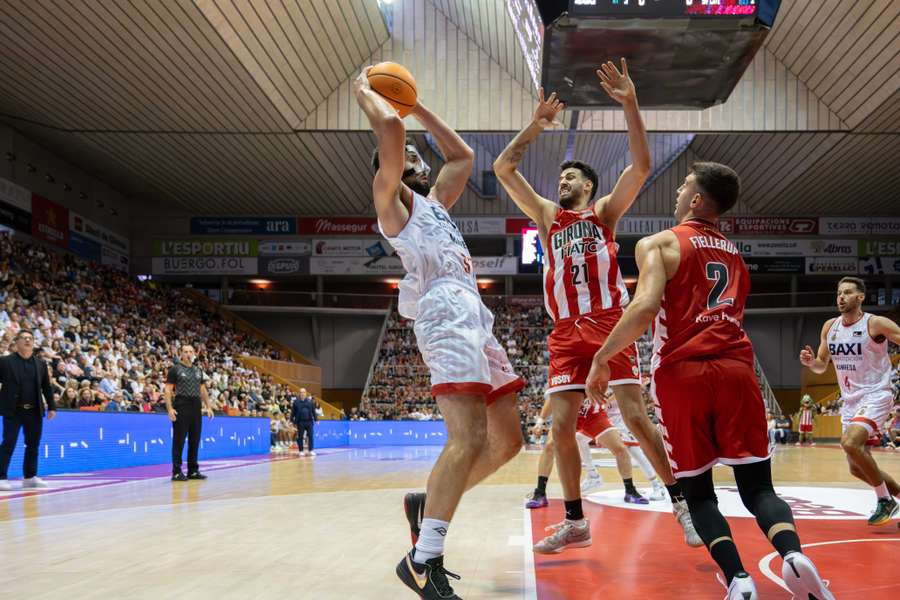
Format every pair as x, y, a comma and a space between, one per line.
394, 83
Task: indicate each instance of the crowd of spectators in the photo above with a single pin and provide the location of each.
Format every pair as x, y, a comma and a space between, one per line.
400, 389
110, 339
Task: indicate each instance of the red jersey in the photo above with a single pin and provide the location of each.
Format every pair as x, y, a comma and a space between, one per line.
702, 311
581, 273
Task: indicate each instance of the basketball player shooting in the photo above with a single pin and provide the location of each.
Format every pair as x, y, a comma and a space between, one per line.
471, 376
584, 294
857, 343
694, 283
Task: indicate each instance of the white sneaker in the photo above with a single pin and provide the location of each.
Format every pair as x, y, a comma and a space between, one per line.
5, 485
34, 482
658, 493
306, 453
591, 482
741, 588
802, 578
683, 516
311, 453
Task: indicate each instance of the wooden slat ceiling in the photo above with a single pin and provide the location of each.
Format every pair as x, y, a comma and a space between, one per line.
244, 107
845, 52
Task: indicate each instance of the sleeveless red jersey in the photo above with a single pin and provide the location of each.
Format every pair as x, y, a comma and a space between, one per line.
581, 273
702, 311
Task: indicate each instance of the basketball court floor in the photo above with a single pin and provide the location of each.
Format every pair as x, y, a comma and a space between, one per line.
282, 526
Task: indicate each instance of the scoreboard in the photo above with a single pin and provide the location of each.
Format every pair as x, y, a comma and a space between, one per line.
661, 9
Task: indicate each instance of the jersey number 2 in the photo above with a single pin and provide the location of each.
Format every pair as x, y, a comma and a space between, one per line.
719, 273
577, 270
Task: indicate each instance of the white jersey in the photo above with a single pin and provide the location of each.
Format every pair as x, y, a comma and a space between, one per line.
862, 364
431, 248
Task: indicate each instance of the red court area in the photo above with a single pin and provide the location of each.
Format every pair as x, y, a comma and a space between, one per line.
642, 555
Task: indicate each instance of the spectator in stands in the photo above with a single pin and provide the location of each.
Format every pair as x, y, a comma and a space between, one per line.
783, 429
115, 403
770, 421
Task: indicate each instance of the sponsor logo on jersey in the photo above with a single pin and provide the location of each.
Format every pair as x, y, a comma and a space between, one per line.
854, 349
560, 379
581, 237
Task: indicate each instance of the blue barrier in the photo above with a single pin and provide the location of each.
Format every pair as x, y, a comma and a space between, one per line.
91, 441
78, 441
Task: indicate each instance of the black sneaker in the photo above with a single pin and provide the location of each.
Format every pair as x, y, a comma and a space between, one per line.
887, 508
414, 507
179, 476
428, 580
196, 475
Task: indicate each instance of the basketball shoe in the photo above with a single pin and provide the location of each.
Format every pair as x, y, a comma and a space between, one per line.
802, 578
741, 588
414, 508
635, 498
537, 501
683, 516
428, 579
658, 492
887, 508
565, 535
591, 482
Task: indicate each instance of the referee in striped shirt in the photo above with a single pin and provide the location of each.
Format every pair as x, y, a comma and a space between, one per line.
186, 398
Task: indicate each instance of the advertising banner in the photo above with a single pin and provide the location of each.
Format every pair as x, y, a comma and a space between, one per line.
84, 247
643, 225
204, 265
495, 265
337, 226
481, 225
15, 195
879, 265
843, 265
288, 248
352, 247
391, 265
764, 265
113, 258
769, 225
49, 221
879, 248
860, 226
94, 231
789, 247
244, 225
204, 247
284, 266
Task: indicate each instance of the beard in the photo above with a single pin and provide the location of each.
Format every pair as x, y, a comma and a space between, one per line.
416, 185
569, 201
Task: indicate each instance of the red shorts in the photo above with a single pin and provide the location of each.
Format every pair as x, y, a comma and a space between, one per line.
573, 343
710, 411
593, 424
806, 428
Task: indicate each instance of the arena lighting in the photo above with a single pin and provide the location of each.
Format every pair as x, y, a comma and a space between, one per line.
31, 168
263, 283
392, 281
49, 178
67, 187
484, 283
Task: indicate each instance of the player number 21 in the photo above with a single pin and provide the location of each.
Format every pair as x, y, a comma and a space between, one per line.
719, 273
579, 271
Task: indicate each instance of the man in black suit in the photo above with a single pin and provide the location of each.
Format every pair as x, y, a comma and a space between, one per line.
303, 414
24, 384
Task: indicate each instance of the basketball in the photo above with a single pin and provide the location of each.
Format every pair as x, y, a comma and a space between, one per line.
394, 83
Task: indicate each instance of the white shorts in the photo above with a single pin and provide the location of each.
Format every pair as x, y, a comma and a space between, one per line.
870, 411
454, 334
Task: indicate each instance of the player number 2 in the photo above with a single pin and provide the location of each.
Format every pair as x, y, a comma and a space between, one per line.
579, 270
719, 273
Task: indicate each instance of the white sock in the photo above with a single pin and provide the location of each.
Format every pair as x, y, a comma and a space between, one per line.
431, 539
642, 461
881, 490
584, 449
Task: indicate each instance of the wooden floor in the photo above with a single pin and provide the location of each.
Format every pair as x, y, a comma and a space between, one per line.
332, 527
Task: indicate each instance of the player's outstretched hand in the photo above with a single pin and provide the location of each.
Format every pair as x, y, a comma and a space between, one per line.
597, 381
547, 110
617, 84
807, 357
362, 80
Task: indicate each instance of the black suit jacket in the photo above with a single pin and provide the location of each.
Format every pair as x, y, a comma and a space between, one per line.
10, 375
303, 411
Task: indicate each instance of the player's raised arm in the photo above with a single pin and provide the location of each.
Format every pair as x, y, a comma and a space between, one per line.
640, 312
621, 89
818, 362
536, 207
391, 133
458, 157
